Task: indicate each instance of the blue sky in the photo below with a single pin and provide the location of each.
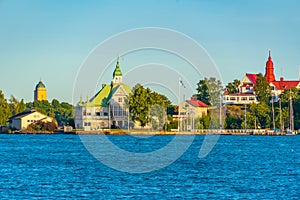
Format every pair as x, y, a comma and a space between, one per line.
51, 39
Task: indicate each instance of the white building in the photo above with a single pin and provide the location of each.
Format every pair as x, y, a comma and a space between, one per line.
246, 94
107, 108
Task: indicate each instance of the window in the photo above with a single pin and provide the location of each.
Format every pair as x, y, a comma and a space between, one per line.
244, 98
251, 98
232, 98
118, 111
87, 123
120, 99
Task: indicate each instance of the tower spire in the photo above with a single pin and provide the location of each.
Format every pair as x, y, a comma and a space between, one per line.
117, 74
269, 75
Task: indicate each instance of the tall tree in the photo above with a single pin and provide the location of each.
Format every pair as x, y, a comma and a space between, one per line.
209, 91
139, 102
262, 89
5, 112
203, 93
16, 106
233, 87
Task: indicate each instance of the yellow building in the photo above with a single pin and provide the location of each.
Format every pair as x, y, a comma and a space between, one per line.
189, 111
22, 120
40, 92
193, 107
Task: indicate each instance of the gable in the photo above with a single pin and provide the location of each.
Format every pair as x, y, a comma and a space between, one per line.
249, 79
36, 115
107, 93
120, 91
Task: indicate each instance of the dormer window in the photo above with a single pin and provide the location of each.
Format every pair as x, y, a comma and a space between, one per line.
247, 87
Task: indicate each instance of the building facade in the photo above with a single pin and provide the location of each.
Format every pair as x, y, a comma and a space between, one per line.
246, 94
40, 92
22, 120
193, 108
188, 112
107, 108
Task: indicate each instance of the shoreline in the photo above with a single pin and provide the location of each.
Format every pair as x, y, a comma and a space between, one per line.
155, 133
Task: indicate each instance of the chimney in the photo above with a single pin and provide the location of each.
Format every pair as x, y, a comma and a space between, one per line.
281, 79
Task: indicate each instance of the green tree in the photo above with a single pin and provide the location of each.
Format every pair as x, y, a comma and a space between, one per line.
294, 94
5, 112
16, 106
259, 115
233, 87
203, 122
262, 89
209, 91
139, 103
62, 112
203, 93
142, 100
234, 116
233, 122
158, 116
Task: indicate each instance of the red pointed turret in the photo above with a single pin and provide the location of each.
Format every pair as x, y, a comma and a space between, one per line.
270, 77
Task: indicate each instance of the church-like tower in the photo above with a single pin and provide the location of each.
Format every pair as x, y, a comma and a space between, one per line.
117, 75
269, 75
40, 92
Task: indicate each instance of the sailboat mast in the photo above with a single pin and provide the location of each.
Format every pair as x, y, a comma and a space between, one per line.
281, 124
273, 117
291, 113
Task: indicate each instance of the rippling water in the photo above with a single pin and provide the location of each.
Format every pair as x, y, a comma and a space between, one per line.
59, 166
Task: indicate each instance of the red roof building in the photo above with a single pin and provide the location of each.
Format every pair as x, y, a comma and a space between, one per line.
192, 108
196, 103
281, 85
246, 88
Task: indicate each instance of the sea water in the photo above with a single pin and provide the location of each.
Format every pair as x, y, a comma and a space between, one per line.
60, 167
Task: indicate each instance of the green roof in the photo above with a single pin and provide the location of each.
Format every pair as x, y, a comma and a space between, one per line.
117, 71
102, 97
40, 85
